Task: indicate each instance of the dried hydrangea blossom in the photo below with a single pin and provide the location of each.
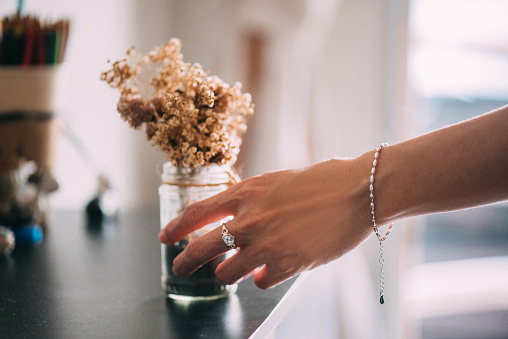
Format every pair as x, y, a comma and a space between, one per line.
196, 119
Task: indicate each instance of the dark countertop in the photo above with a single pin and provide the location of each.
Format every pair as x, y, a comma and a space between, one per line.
89, 282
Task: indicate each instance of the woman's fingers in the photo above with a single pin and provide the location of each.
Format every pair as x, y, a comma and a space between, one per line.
198, 252
210, 245
238, 267
266, 277
196, 216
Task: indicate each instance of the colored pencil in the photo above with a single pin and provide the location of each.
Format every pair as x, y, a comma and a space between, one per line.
26, 40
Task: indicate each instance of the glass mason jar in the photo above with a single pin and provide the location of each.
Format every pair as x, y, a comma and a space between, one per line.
181, 187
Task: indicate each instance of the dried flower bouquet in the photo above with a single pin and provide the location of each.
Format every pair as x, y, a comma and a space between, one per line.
196, 119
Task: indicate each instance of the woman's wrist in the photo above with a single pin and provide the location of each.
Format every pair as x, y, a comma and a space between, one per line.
385, 186
359, 181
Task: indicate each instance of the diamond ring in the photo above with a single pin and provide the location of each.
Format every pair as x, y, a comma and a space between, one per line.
228, 238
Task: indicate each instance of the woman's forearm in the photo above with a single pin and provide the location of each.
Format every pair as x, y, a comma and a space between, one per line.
460, 166
290, 221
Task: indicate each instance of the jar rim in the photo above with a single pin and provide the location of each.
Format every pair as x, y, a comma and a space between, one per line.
203, 175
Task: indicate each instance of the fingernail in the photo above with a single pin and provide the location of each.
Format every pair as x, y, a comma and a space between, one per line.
163, 238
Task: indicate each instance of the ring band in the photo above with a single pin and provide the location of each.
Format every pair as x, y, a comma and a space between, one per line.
227, 238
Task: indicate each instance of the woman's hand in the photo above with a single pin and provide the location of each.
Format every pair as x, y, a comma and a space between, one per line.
284, 222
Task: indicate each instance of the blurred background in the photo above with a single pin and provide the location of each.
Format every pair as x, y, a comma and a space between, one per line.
329, 78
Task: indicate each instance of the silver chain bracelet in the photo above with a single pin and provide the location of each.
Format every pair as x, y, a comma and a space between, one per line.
376, 230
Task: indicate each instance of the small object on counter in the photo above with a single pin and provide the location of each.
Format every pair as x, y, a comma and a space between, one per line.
104, 205
24, 192
28, 234
7, 241
94, 212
